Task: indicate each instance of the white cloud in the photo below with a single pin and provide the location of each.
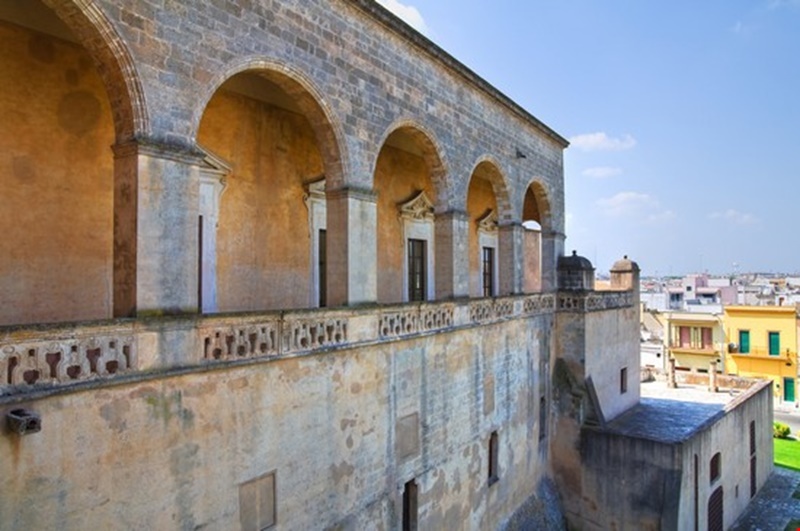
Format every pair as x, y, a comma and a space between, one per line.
734, 216
635, 204
602, 142
601, 172
661, 216
777, 4
626, 203
408, 13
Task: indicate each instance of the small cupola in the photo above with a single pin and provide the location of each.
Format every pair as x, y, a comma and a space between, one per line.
575, 273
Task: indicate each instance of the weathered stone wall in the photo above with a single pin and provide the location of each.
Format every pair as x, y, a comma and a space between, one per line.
730, 436
342, 431
629, 482
57, 180
612, 343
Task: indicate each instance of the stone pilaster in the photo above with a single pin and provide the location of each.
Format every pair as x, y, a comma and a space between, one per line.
552, 248
352, 246
156, 190
452, 258
511, 259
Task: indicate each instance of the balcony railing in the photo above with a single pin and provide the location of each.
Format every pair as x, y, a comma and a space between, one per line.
764, 353
45, 357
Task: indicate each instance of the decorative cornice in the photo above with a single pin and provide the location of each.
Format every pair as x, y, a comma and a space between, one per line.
420, 207
488, 223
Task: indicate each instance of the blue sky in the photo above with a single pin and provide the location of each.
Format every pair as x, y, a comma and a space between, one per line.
684, 119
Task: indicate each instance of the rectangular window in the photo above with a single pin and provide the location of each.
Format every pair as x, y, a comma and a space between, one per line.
322, 264
685, 336
774, 343
488, 272
753, 476
416, 270
257, 503
494, 473
623, 380
410, 506
707, 339
752, 437
744, 341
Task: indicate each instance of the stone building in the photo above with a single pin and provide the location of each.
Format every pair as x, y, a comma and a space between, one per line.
283, 264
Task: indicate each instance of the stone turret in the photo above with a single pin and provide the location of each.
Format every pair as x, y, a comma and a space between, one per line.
575, 273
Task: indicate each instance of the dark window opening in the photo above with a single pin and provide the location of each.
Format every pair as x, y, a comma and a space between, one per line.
715, 468
488, 272
322, 263
542, 418
494, 473
623, 380
752, 437
416, 270
200, 263
410, 506
753, 485
715, 511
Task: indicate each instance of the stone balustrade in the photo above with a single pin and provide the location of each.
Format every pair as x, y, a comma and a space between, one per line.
60, 356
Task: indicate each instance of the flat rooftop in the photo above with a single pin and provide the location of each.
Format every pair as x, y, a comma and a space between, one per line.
673, 415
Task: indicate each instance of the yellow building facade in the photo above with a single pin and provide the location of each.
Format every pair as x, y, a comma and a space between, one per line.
762, 343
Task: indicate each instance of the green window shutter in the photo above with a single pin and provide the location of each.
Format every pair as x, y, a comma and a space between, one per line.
774, 343
744, 341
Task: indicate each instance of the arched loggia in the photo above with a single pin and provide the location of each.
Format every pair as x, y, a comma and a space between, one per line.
277, 148
408, 183
74, 94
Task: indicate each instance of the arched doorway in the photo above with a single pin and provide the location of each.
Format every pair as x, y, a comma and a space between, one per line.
406, 169
56, 168
486, 206
534, 211
268, 134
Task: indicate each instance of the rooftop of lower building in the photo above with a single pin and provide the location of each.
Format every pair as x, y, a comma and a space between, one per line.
671, 415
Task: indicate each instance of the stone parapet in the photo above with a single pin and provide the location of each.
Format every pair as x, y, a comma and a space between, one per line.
55, 357
593, 301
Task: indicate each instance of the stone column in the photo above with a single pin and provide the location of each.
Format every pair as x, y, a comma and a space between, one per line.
712, 377
352, 246
156, 201
671, 381
552, 248
511, 258
452, 255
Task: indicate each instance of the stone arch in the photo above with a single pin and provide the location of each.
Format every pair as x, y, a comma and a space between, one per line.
328, 130
488, 209
113, 62
488, 168
536, 205
86, 97
432, 154
538, 244
408, 178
